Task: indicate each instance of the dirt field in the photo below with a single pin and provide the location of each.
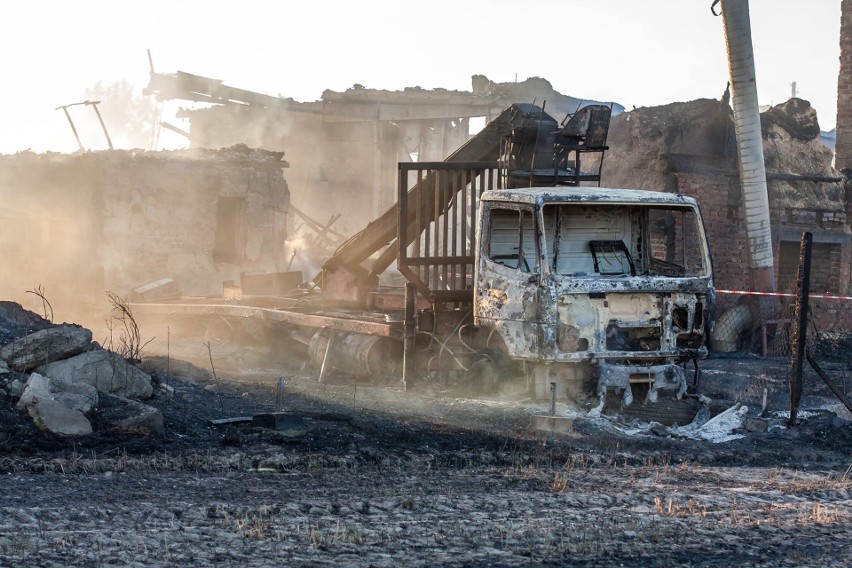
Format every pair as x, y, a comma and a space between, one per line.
376, 477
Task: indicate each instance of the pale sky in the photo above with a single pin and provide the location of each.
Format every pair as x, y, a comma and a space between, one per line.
634, 52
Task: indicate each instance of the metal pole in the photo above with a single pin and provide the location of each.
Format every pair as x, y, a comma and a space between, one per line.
827, 380
94, 105
73, 128
324, 366
801, 326
553, 399
409, 332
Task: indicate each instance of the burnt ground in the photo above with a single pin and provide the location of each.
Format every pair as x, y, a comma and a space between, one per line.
377, 477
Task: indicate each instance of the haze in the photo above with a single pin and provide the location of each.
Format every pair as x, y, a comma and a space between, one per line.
635, 53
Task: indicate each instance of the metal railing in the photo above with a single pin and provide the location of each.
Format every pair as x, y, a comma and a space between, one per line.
437, 225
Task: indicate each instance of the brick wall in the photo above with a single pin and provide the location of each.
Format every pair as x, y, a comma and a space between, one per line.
844, 90
724, 222
825, 260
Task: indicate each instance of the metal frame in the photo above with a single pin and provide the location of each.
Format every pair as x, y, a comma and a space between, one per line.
437, 232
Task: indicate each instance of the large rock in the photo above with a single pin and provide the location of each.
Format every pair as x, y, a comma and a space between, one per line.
77, 396
57, 418
104, 370
119, 412
46, 345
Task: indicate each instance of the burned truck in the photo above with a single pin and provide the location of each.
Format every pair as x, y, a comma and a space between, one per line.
614, 283
509, 271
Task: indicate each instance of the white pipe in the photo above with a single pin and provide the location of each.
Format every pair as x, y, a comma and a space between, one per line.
728, 328
735, 14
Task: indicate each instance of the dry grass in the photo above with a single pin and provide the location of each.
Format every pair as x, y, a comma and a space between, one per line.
121, 322
47, 309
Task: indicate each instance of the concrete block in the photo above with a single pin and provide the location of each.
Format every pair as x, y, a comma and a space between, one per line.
555, 424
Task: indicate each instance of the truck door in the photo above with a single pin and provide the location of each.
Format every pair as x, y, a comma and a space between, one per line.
509, 276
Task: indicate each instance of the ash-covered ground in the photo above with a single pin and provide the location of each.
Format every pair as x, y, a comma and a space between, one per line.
380, 477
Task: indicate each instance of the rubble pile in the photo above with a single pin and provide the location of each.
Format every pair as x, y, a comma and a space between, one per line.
55, 378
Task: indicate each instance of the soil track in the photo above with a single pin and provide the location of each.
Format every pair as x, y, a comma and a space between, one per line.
379, 479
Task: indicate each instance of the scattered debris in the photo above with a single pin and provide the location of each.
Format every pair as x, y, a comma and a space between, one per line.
77, 396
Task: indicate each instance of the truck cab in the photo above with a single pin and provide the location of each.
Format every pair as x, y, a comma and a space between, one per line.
592, 283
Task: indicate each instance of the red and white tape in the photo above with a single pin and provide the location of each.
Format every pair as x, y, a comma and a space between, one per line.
782, 294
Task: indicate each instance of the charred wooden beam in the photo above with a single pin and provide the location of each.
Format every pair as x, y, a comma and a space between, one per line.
800, 329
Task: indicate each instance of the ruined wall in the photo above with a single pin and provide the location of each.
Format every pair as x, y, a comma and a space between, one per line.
843, 147
688, 148
85, 223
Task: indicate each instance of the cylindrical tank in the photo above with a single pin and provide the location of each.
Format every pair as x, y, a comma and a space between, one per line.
366, 356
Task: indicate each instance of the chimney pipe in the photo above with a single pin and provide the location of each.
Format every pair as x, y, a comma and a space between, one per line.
735, 15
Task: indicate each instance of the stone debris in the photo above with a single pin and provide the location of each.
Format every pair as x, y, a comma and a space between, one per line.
119, 412
57, 376
57, 418
45, 345
15, 388
77, 396
106, 371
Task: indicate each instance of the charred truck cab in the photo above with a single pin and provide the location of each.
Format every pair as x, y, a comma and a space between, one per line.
584, 283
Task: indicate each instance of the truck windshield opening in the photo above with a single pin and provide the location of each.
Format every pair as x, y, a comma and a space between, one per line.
601, 240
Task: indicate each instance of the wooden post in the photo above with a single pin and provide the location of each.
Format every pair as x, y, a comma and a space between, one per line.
800, 330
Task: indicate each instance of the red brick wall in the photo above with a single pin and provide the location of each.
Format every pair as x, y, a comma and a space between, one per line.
826, 258
724, 223
844, 90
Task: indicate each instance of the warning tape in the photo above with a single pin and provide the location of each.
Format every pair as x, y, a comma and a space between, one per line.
782, 294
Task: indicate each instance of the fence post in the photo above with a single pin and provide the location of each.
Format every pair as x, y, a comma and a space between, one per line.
800, 328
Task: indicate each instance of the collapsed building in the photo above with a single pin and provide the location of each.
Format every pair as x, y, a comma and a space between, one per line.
345, 147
